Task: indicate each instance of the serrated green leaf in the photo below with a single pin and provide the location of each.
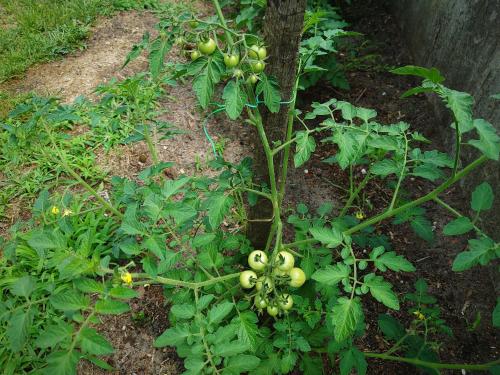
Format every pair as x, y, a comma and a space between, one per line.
350, 359
332, 275
305, 146
62, 363
248, 330
109, 306
431, 74
235, 98
240, 364
482, 197
394, 262
270, 88
171, 187
422, 227
69, 300
159, 48
88, 285
217, 206
458, 226
18, 328
346, 314
93, 343
130, 225
203, 86
123, 292
460, 104
481, 251
385, 167
183, 311
489, 141
381, 290
427, 171
390, 327
173, 336
23, 286
54, 334
331, 237
219, 312
231, 348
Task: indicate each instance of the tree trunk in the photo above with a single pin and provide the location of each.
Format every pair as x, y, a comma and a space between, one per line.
283, 25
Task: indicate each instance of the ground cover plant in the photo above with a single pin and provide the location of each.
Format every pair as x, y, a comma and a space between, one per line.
234, 309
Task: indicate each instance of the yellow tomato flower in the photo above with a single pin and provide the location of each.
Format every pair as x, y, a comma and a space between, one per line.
67, 212
54, 210
419, 315
360, 215
127, 278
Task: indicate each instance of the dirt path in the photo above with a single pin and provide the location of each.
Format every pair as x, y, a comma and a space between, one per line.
79, 73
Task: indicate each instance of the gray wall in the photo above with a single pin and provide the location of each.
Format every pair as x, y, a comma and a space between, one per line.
461, 38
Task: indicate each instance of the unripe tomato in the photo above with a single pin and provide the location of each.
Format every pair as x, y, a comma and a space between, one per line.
180, 41
238, 73
257, 260
286, 261
297, 277
195, 55
265, 283
207, 47
285, 301
193, 24
248, 279
278, 272
257, 66
260, 302
253, 79
272, 310
231, 60
256, 52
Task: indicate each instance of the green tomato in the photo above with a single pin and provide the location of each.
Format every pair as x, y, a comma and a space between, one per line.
248, 279
257, 66
195, 55
231, 60
193, 24
260, 302
238, 73
286, 261
256, 52
252, 79
207, 47
257, 260
285, 301
272, 310
297, 277
265, 283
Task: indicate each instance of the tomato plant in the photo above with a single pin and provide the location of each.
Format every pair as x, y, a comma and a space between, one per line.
302, 302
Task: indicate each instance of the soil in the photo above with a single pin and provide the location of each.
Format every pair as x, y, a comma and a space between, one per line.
462, 295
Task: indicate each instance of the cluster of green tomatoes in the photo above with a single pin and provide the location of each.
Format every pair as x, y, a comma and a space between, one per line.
252, 61
270, 278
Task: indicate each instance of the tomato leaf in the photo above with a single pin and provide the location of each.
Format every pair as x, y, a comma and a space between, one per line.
234, 99
346, 314
381, 290
270, 88
305, 146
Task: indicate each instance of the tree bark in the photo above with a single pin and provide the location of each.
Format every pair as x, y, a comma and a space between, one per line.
283, 23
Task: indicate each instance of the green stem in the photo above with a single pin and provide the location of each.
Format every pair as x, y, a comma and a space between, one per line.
419, 362
355, 194
261, 193
434, 193
151, 146
458, 139
222, 20
401, 175
455, 212
389, 213
186, 284
76, 176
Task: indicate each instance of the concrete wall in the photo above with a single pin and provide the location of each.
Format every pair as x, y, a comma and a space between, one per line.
462, 39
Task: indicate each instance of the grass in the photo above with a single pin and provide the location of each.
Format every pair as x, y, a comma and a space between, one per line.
36, 31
